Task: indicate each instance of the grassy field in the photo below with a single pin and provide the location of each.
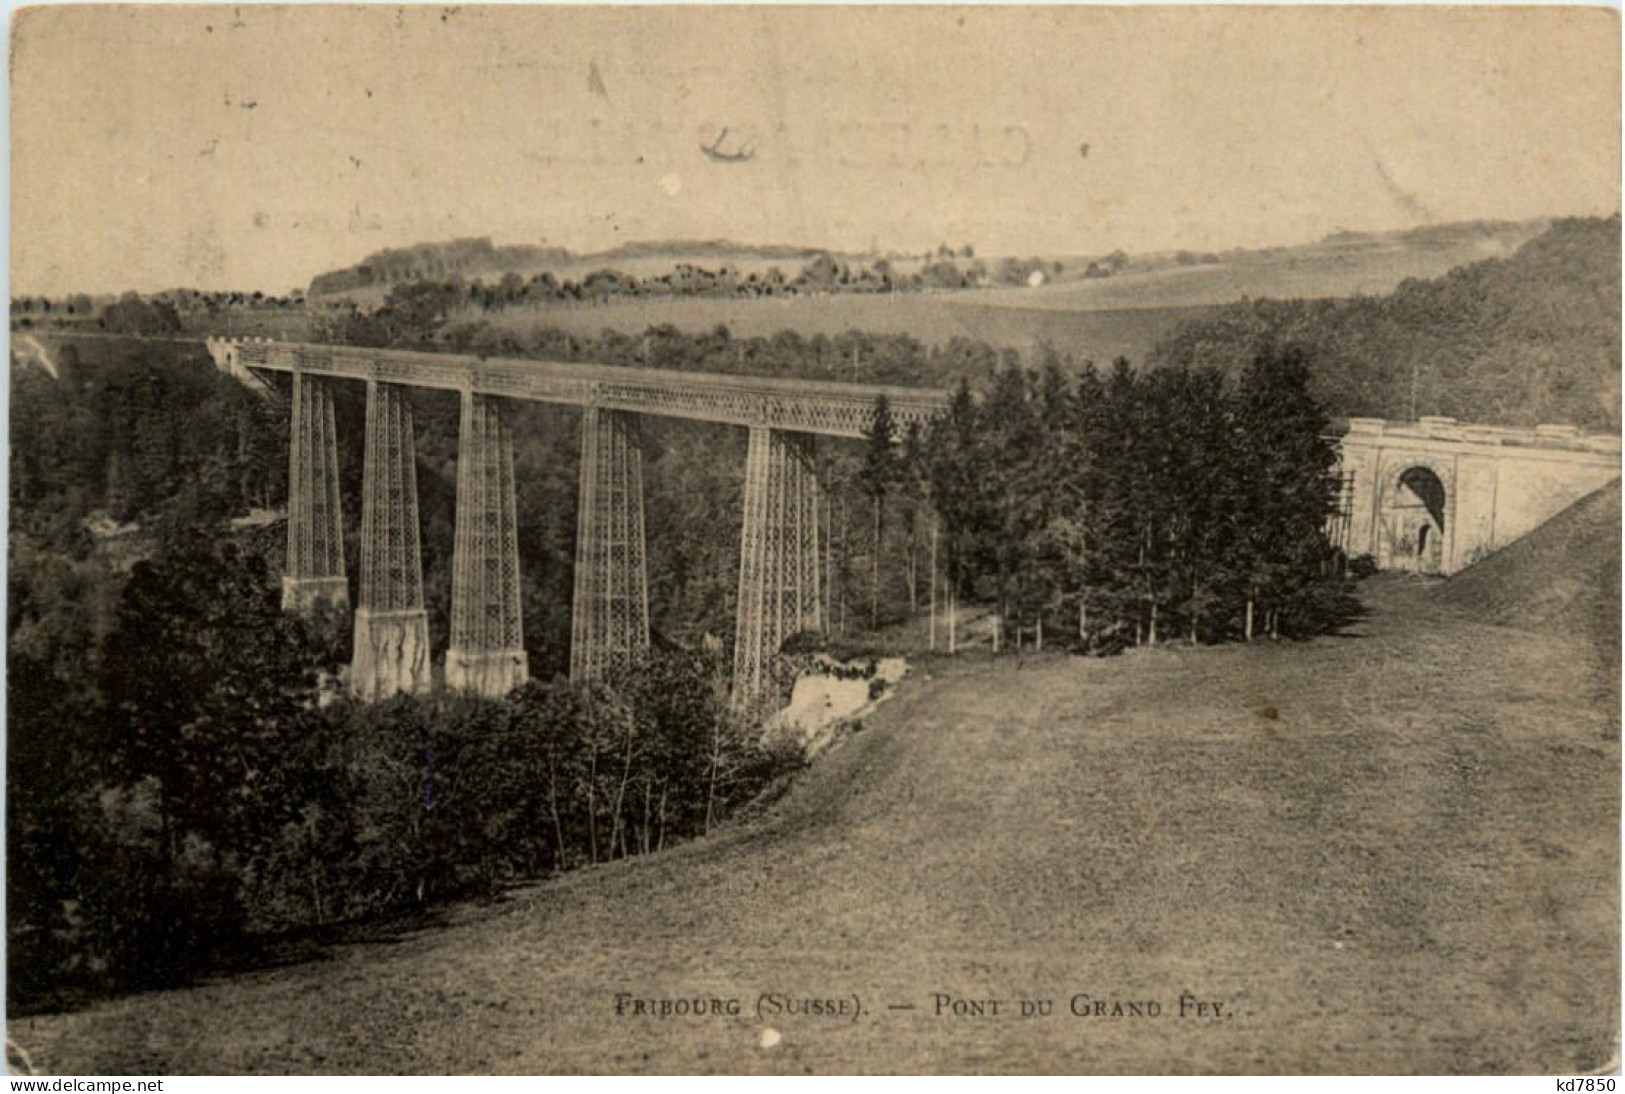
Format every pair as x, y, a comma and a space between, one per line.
1390, 851
1100, 319
1366, 265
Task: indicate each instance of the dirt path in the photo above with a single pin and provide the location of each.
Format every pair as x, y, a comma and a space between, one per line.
1394, 852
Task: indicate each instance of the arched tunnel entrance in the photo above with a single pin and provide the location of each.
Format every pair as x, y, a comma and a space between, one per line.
1413, 527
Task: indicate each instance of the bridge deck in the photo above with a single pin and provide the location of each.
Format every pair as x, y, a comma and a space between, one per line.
824, 407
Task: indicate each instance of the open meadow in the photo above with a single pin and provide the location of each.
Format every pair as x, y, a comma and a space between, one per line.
1353, 266
1096, 318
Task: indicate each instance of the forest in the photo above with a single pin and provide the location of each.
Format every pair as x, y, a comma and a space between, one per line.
1523, 340
1123, 509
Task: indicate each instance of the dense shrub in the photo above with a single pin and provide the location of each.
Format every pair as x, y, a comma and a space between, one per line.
229, 806
135, 314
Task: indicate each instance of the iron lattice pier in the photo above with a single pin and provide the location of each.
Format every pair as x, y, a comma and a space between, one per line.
487, 653
315, 566
610, 614
391, 626
780, 586
779, 592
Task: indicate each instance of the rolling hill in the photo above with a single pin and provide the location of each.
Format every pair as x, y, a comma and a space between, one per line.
480, 258
931, 318
1344, 264
1098, 318
1530, 338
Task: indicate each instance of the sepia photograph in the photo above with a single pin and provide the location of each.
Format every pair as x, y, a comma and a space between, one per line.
839, 540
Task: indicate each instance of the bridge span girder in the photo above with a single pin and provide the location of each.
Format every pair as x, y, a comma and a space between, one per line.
826, 408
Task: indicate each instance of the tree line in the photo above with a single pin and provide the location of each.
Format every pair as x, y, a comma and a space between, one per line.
457, 296
1522, 340
1124, 508
170, 312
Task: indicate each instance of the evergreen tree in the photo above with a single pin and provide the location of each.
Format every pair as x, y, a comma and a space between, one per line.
1069, 412
957, 485
1287, 462
878, 476
1115, 519
207, 681
1011, 452
914, 490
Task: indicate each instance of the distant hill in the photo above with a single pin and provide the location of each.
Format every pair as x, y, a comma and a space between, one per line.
702, 248
478, 257
1181, 303
1562, 577
1522, 340
1342, 264
432, 261
1339, 265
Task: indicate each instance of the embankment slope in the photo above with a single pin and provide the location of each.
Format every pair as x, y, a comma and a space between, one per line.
1563, 577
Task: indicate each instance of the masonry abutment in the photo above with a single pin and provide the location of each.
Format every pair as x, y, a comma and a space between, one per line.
391, 625
1496, 484
487, 653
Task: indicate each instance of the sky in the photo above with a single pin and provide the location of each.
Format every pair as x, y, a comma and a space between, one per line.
251, 148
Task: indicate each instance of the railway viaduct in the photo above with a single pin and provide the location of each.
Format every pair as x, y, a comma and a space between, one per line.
1430, 496
779, 575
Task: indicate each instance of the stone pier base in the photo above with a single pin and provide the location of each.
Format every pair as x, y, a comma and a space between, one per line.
304, 595
491, 673
391, 653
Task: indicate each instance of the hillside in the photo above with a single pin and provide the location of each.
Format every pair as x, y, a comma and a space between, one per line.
426, 261
1522, 340
1344, 264
1388, 852
1095, 317
1563, 577
478, 257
